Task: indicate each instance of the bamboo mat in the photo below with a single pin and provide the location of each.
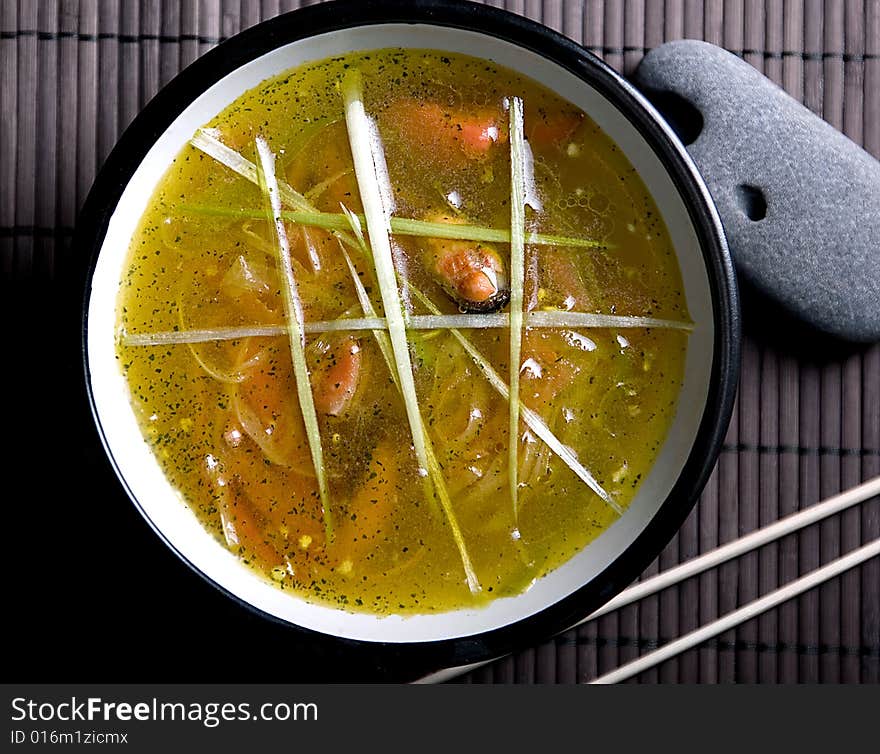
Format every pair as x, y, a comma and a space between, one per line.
807, 422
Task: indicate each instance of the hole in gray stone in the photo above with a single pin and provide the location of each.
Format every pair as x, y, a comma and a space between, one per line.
751, 201
685, 119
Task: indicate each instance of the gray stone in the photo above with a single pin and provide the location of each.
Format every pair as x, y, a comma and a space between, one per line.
799, 201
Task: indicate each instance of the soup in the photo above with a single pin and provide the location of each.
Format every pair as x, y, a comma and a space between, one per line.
322, 307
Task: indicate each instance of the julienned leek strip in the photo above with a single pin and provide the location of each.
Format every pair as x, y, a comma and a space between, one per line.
517, 283
293, 310
434, 321
435, 474
402, 226
387, 350
558, 318
206, 141
405, 226
305, 213
377, 225
417, 322
365, 154
532, 419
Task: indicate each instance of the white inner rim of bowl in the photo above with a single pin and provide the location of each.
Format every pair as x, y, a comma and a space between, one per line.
163, 505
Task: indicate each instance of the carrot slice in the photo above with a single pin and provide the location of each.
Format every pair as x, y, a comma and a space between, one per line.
272, 520
553, 129
268, 411
336, 373
370, 507
444, 133
244, 529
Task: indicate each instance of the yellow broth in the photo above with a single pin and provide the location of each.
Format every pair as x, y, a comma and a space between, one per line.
223, 419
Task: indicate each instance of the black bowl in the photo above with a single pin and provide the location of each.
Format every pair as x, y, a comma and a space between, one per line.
567, 595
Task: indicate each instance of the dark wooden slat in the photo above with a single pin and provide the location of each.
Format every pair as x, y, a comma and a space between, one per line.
693, 19
588, 665
789, 395
852, 121
613, 35
809, 541
654, 15
251, 13
108, 95
713, 21
768, 510
209, 24
161, 62
26, 142
8, 131
829, 483
871, 116
533, 9
708, 582
749, 502
551, 15
545, 662
87, 103
674, 21
572, 21
767, 626
829, 530
66, 120
649, 620
813, 47
45, 176
870, 513
594, 14
733, 25
793, 39
728, 527
566, 658
689, 593
869, 592
524, 666
849, 611
633, 34
189, 29
774, 36
788, 503
130, 82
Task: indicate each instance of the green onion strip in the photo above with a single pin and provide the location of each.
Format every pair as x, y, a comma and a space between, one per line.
435, 321
377, 213
532, 419
306, 214
206, 141
435, 475
293, 310
517, 282
401, 226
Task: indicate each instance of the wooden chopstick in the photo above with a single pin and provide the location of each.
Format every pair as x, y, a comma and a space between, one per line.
733, 549
741, 615
740, 546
